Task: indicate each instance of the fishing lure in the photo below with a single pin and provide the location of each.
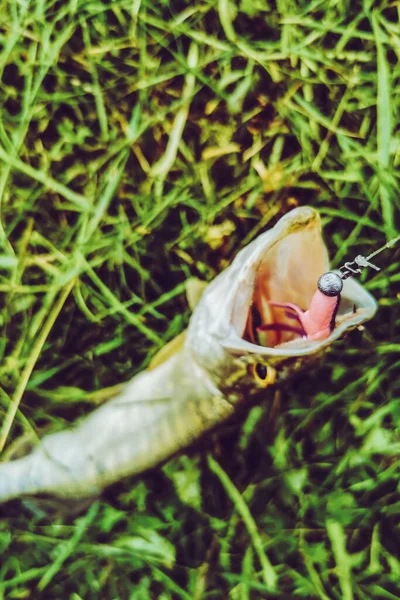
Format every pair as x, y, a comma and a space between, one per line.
318, 322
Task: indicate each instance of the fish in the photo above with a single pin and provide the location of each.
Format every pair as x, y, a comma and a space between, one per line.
245, 334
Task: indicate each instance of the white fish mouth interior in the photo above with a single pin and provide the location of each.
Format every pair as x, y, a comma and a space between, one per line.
287, 274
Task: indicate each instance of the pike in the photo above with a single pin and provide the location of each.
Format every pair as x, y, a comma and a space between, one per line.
250, 329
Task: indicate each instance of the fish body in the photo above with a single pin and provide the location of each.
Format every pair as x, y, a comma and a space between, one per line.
158, 413
216, 366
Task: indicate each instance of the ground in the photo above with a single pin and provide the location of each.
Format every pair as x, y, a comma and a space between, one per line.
143, 143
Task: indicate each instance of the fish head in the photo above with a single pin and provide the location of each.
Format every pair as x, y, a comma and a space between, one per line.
281, 266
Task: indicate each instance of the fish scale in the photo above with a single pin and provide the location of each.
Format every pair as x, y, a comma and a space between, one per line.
125, 436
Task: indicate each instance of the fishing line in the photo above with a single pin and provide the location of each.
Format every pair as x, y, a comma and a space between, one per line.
360, 262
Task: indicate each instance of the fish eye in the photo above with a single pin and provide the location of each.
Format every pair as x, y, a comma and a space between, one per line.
262, 374
261, 371
330, 284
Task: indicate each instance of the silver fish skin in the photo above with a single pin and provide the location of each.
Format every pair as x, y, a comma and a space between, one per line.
161, 411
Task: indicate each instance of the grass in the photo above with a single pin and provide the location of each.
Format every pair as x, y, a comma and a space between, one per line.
141, 144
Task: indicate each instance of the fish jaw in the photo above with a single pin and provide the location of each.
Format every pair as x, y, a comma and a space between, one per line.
221, 315
282, 265
228, 297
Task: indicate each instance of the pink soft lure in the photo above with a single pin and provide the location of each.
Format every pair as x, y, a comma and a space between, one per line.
318, 322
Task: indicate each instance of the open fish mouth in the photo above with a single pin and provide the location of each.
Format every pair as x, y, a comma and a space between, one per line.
280, 283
